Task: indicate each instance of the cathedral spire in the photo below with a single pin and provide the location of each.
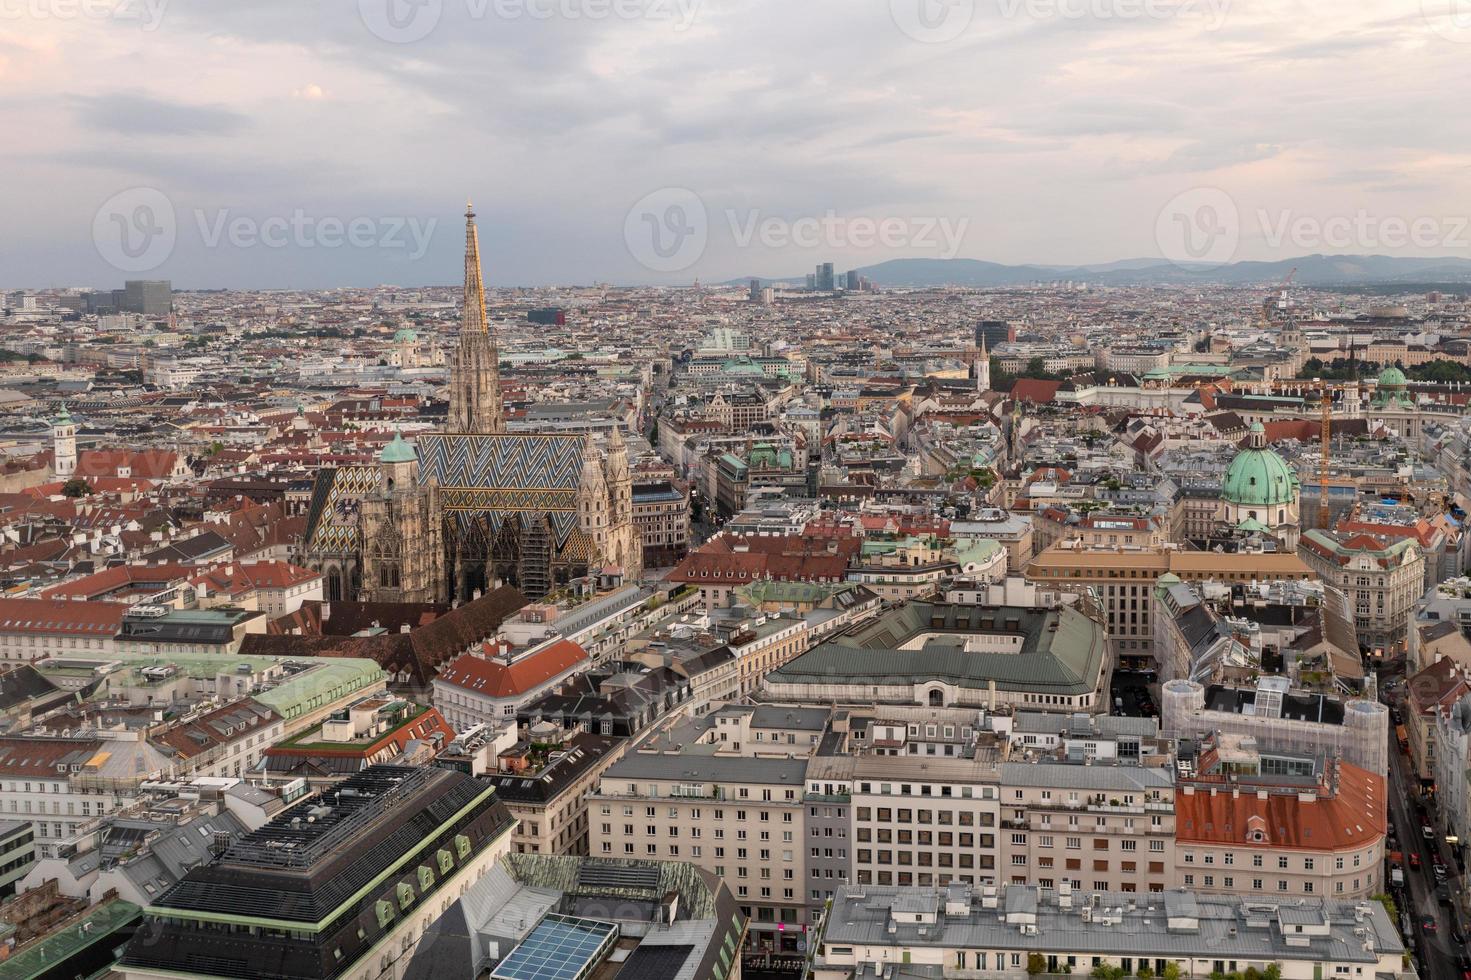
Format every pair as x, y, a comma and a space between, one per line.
475, 379
473, 319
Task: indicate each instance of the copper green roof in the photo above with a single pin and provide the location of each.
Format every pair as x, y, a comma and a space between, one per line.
397, 451
1258, 478
1062, 650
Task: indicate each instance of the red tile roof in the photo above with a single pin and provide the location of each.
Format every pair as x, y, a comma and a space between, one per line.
736, 559
497, 679
61, 616
1351, 818
1033, 390
126, 579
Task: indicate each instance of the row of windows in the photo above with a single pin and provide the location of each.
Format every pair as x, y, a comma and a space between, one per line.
1257, 861
944, 818
1257, 884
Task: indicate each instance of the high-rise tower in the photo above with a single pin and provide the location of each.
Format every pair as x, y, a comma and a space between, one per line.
475, 377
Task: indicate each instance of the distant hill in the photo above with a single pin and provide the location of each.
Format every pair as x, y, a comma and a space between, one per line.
1312, 270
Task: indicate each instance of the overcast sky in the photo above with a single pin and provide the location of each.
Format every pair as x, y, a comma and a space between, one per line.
316, 143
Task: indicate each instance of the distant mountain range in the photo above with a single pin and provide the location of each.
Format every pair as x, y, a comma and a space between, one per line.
1312, 270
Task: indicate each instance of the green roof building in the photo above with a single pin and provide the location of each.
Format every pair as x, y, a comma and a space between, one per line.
1260, 492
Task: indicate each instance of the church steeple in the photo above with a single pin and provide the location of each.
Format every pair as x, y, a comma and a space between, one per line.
475, 378
473, 319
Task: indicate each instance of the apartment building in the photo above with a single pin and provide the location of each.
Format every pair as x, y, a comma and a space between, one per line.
1096, 827
924, 819
32, 629
738, 817
547, 791
1278, 825
1382, 581
222, 741
1125, 580
491, 684
61, 784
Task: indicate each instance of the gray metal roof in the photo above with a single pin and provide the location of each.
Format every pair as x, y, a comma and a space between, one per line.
1119, 924
704, 768
1061, 775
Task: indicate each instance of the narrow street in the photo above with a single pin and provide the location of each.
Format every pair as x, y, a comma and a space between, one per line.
1436, 953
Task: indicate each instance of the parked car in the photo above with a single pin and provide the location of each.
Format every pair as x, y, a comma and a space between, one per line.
1439, 870
1428, 926
1414, 860
1427, 831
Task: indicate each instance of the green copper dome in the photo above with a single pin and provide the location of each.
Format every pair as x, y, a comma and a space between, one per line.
397, 451
1392, 377
405, 336
1258, 477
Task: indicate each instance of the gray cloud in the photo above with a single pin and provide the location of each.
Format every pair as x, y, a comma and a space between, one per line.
1023, 125
138, 114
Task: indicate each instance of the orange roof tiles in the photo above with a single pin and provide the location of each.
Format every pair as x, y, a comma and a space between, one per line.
497, 679
61, 616
1351, 818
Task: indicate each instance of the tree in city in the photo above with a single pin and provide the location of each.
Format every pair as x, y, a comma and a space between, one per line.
76, 487
1171, 971
1036, 963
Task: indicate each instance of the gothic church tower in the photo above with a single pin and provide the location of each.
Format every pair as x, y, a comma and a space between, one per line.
475, 377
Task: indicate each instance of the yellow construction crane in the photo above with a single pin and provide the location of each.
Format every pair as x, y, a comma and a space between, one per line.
1324, 390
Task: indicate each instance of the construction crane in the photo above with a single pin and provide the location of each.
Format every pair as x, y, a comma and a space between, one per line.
1324, 390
